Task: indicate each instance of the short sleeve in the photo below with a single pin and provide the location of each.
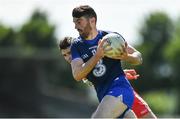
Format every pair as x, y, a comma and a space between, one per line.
74, 52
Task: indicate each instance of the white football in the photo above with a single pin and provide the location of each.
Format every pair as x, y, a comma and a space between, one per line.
116, 42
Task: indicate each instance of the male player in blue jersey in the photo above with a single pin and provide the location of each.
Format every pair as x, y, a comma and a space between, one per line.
114, 92
139, 107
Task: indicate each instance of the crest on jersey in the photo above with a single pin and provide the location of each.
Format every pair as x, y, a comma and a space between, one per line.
100, 69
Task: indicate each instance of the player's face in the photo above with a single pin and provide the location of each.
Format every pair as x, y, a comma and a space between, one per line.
67, 54
83, 26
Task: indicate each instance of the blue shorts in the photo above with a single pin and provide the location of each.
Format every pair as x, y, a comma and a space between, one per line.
121, 87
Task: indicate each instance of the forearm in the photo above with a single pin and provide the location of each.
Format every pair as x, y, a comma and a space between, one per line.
134, 58
81, 71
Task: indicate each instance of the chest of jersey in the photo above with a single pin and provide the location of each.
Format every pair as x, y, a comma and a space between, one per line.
105, 70
87, 51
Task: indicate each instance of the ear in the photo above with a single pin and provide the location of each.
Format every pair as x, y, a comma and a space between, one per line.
93, 20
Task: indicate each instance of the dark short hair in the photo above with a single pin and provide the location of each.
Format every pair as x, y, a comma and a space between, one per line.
65, 42
84, 10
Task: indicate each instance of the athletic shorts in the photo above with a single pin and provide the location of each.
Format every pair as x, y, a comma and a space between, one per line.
121, 88
140, 107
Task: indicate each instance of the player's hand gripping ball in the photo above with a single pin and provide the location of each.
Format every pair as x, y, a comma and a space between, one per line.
116, 42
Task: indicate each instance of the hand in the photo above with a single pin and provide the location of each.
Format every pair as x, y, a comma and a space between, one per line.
124, 54
131, 74
103, 46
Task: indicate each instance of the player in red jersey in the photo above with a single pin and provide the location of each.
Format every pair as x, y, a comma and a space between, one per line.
140, 107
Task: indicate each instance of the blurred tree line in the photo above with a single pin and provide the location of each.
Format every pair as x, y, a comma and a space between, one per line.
31, 64
160, 49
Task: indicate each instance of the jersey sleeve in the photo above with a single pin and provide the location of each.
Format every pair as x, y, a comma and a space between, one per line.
74, 52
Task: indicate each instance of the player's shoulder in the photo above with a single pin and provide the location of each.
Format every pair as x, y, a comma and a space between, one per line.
76, 40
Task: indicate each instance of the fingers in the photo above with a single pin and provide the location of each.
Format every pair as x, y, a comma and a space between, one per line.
124, 48
101, 43
106, 49
100, 49
131, 71
105, 45
137, 76
131, 74
131, 77
126, 44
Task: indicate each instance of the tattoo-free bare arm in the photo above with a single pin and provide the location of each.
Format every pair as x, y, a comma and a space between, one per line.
133, 56
80, 69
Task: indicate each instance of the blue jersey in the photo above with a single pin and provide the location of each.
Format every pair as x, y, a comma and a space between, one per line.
105, 72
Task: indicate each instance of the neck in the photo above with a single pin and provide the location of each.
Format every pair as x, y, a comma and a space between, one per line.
92, 34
